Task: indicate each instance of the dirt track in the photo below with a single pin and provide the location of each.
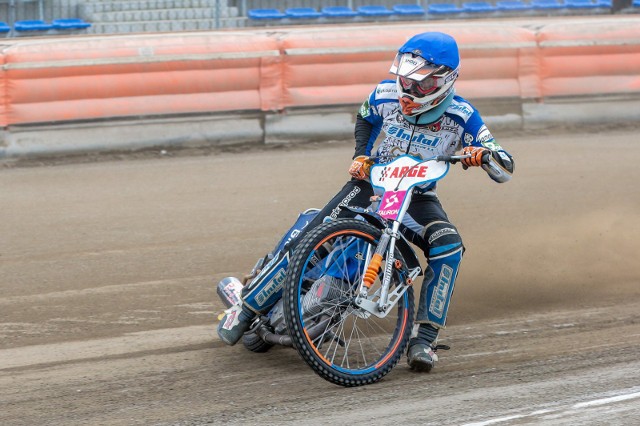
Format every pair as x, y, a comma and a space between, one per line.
107, 302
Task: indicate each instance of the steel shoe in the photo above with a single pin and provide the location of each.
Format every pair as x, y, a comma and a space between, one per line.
233, 325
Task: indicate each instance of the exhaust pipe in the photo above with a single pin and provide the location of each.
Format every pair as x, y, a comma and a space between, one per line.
285, 340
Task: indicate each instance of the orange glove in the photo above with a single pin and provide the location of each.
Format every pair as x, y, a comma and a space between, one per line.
478, 156
361, 167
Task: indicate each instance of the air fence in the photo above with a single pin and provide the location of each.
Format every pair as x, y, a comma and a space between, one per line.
135, 16
256, 86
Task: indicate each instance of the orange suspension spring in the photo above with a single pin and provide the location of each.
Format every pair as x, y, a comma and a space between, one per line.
372, 270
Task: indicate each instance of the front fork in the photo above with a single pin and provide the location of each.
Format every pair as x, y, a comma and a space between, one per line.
385, 299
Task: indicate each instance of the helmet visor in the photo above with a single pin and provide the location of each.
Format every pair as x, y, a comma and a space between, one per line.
417, 68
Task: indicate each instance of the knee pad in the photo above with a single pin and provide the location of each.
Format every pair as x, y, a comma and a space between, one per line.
444, 252
441, 239
437, 289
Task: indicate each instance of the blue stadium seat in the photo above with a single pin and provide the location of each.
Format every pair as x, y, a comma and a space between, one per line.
4, 28
444, 10
33, 25
374, 11
408, 10
547, 4
339, 12
581, 4
478, 7
70, 24
302, 13
512, 6
265, 14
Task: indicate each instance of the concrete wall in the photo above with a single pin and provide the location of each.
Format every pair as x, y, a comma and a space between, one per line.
95, 94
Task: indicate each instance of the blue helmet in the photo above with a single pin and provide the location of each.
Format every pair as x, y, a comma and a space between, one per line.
426, 67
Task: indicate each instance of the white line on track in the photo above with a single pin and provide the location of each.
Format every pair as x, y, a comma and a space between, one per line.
560, 412
605, 401
129, 343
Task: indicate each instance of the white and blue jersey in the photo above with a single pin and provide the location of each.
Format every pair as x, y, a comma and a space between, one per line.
461, 125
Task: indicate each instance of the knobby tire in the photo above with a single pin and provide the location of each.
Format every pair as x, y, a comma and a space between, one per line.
312, 247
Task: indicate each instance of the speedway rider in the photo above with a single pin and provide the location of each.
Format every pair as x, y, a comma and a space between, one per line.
420, 114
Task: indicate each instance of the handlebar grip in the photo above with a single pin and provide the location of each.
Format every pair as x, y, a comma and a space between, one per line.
486, 159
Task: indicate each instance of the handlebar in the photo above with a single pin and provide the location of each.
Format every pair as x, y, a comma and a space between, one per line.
453, 159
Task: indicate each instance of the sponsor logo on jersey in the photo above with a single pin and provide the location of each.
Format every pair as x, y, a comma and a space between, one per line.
492, 145
364, 109
468, 138
486, 138
435, 127
405, 134
386, 91
462, 109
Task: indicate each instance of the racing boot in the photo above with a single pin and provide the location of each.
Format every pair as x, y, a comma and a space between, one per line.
421, 355
235, 322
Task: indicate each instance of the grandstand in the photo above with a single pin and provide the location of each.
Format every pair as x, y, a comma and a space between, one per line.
39, 17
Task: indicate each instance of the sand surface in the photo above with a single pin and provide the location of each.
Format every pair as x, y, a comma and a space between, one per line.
108, 305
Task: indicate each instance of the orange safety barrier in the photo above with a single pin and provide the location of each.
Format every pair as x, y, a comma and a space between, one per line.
92, 78
590, 58
52, 80
324, 67
4, 102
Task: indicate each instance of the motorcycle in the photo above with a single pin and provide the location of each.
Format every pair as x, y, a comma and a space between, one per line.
346, 301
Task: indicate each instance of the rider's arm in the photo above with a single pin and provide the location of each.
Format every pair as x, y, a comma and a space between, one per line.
370, 117
500, 165
362, 133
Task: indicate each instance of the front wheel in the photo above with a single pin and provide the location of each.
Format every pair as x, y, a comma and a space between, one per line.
340, 341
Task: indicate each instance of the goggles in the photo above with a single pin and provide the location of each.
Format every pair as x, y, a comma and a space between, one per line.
419, 76
420, 88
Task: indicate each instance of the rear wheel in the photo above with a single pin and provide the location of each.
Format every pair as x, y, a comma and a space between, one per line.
254, 343
340, 341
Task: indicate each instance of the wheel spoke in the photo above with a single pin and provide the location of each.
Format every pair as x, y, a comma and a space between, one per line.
353, 345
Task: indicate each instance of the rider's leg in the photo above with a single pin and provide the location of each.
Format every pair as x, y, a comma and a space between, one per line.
443, 248
265, 289
355, 193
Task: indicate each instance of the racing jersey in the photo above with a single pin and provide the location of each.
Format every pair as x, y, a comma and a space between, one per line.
461, 125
